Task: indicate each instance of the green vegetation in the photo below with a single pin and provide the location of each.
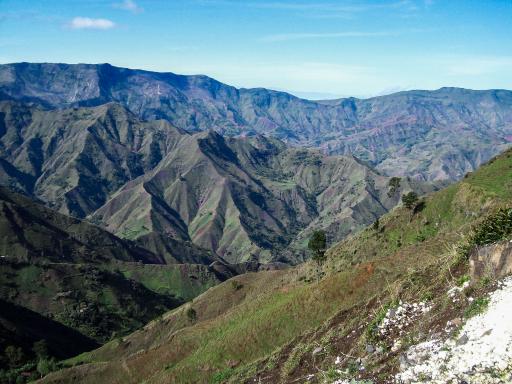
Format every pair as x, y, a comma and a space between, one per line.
222, 376
410, 199
318, 245
494, 228
372, 328
236, 285
280, 311
191, 315
478, 306
394, 185
18, 367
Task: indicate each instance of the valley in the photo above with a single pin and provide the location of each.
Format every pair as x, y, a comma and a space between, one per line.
157, 227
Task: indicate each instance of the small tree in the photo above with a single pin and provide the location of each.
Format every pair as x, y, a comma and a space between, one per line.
318, 244
410, 199
45, 366
14, 356
394, 185
191, 315
40, 348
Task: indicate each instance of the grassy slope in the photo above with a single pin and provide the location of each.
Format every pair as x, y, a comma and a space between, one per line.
263, 328
83, 277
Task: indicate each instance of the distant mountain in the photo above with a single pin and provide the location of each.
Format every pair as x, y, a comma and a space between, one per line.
428, 135
188, 198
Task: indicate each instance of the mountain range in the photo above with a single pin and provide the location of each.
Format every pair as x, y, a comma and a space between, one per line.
428, 135
190, 198
125, 194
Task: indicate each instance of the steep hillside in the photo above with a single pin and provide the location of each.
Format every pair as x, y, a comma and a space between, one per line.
65, 272
248, 199
189, 198
302, 325
76, 158
430, 135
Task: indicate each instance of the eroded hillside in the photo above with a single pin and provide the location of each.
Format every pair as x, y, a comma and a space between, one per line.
190, 198
305, 325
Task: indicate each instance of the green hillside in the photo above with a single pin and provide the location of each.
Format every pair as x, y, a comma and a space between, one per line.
67, 281
281, 326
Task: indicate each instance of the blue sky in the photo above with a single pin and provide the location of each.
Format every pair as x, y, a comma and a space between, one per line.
314, 49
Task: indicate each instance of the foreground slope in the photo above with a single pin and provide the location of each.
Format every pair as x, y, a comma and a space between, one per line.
433, 135
287, 326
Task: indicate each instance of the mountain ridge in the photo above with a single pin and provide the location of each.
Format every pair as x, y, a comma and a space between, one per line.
241, 198
428, 135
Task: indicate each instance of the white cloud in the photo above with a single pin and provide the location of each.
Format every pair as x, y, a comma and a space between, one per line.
129, 5
88, 23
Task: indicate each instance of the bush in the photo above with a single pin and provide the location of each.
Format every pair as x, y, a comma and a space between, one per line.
410, 199
222, 376
45, 366
476, 307
495, 228
394, 185
236, 285
14, 356
40, 349
191, 314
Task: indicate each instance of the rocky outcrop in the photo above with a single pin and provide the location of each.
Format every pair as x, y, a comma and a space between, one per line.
493, 260
481, 354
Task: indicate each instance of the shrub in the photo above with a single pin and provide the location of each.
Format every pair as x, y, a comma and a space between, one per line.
40, 349
410, 199
495, 228
191, 314
45, 366
236, 285
222, 376
372, 329
394, 185
14, 356
476, 307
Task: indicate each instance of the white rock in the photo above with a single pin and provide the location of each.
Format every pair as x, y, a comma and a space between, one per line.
488, 346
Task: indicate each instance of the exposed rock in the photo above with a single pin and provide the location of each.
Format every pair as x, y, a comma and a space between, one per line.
462, 340
493, 260
317, 350
478, 356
